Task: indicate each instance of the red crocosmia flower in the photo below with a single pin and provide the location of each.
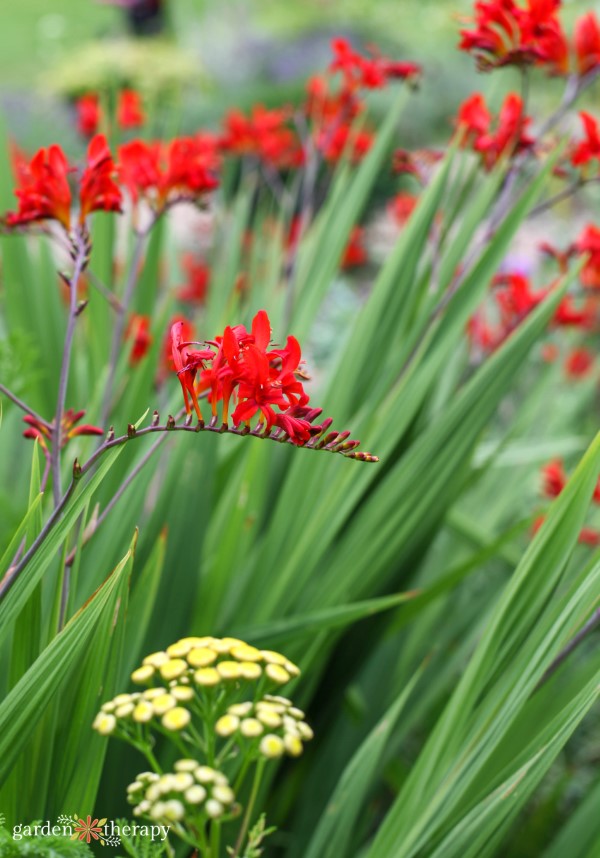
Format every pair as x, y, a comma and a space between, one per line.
579, 363
98, 189
510, 134
138, 330
370, 72
198, 277
182, 170
43, 433
88, 114
589, 243
587, 43
401, 207
568, 314
482, 335
130, 111
264, 135
44, 192
554, 478
355, 253
473, 118
187, 362
515, 297
506, 33
589, 148
343, 140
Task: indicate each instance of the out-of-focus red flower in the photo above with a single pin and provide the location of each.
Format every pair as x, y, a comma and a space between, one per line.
587, 43
401, 207
88, 113
187, 334
45, 194
370, 72
506, 33
324, 105
589, 243
473, 118
589, 536
570, 314
184, 169
43, 433
483, 337
355, 253
198, 276
342, 139
510, 135
138, 330
554, 478
265, 135
515, 297
130, 110
589, 148
579, 363
98, 189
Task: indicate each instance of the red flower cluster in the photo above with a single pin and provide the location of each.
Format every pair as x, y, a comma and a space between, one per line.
589, 243
355, 253
45, 194
43, 432
165, 174
401, 207
130, 112
240, 368
475, 122
507, 33
264, 135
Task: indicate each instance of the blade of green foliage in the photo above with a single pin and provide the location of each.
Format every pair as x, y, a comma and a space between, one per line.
334, 832
22, 709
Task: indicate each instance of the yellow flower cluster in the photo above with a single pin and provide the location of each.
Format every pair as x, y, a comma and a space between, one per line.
274, 720
188, 791
209, 661
142, 706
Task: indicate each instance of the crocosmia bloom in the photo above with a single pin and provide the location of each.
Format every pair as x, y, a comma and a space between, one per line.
43, 432
45, 192
130, 111
87, 109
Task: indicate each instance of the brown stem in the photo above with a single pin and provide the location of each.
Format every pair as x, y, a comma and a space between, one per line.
584, 631
81, 257
20, 404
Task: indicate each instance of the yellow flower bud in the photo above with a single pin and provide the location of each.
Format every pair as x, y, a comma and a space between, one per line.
185, 765
182, 692
201, 657
157, 811
163, 703
271, 746
272, 657
104, 723
174, 810
250, 670
204, 774
293, 745
156, 659
269, 718
277, 673
179, 649
229, 670
176, 719
292, 668
142, 674
125, 710
226, 725
214, 808
121, 699
195, 794
207, 676
153, 693
251, 727
173, 668
182, 780
144, 711
244, 652
222, 793
240, 709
